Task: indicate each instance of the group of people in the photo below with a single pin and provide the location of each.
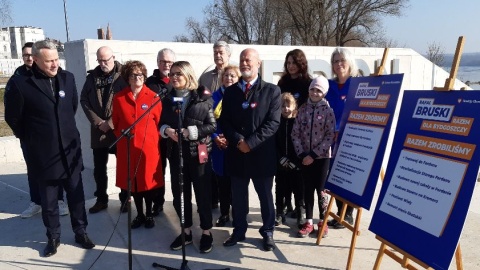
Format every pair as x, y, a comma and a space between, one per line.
217, 133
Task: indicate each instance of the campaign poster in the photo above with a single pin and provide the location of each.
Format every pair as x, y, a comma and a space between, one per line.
363, 135
431, 175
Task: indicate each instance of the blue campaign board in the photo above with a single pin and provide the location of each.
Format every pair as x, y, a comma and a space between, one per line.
431, 175
362, 139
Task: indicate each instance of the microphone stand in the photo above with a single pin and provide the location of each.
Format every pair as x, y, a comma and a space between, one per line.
180, 181
184, 266
128, 135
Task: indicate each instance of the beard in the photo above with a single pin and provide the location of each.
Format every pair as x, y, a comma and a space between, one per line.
247, 74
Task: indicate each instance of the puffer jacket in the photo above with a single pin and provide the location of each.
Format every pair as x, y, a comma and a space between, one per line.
198, 112
314, 130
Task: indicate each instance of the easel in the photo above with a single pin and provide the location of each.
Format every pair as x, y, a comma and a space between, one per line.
355, 229
405, 261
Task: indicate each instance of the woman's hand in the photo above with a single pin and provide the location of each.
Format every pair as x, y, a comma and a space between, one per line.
172, 134
185, 133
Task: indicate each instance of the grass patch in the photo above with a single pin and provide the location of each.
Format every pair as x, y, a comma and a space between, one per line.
4, 128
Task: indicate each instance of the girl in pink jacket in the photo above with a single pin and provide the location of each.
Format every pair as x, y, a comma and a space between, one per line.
312, 135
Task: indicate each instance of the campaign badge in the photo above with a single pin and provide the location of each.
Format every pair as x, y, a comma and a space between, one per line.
61, 93
144, 106
253, 105
245, 105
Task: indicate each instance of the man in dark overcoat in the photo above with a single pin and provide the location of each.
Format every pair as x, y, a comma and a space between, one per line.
250, 117
96, 100
41, 109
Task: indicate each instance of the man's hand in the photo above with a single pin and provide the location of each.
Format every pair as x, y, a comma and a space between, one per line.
221, 142
243, 146
307, 160
104, 126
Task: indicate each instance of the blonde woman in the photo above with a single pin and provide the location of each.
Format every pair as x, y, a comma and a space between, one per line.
198, 124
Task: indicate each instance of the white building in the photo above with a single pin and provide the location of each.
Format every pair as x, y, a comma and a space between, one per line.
5, 51
21, 35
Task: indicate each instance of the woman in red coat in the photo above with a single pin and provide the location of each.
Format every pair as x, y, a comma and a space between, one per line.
145, 169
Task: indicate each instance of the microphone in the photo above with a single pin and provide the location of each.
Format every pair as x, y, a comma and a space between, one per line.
178, 99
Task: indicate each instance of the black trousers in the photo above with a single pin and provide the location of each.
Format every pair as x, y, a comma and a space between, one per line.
287, 181
100, 160
147, 196
224, 193
196, 175
240, 207
76, 204
315, 176
159, 196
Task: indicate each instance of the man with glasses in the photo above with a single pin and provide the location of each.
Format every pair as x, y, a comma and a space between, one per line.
96, 100
35, 200
159, 82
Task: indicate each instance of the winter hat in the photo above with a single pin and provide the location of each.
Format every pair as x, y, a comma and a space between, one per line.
320, 83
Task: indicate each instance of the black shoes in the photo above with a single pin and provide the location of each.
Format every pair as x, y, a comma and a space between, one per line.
137, 222
268, 243
233, 240
206, 243
222, 220
51, 248
333, 223
84, 241
123, 207
99, 206
156, 209
177, 243
280, 219
149, 222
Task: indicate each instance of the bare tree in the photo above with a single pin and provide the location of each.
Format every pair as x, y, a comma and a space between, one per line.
306, 22
436, 53
5, 12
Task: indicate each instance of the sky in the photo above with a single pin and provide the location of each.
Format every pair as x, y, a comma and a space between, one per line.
422, 22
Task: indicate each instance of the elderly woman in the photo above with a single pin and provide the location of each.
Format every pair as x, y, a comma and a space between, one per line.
230, 75
198, 124
343, 68
145, 169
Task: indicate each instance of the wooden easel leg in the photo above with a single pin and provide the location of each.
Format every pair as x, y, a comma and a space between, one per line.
327, 214
355, 233
378, 261
458, 258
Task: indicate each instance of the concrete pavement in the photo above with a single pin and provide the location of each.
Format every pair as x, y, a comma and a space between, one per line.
22, 240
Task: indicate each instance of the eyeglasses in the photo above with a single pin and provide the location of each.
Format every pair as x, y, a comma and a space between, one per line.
26, 55
100, 61
343, 60
164, 63
226, 75
175, 75
136, 76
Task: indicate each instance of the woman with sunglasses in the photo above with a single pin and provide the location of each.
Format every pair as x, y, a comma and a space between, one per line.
194, 103
145, 169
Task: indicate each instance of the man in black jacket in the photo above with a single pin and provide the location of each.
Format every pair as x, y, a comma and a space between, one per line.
96, 100
159, 82
41, 109
35, 200
250, 117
